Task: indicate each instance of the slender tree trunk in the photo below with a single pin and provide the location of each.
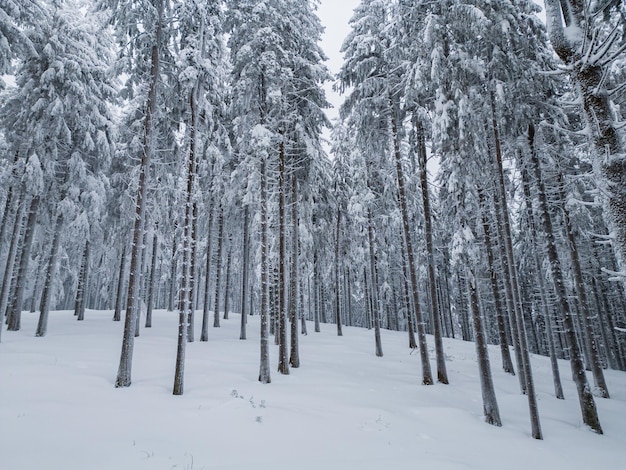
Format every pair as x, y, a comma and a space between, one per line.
376, 307
421, 333
294, 352
229, 257
149, 300
512, 275
204, 335
442, 375
185, 314
15, 316
490, 403
337, 283
283, 359
173, 269
194, 252
507, 363
407, 302
46, 295
125, 367
556, 376
587, 402
316, 299
81, 291
119, 297
579, 284
244, 271
11, 258
264, 368
218, 266
37, 286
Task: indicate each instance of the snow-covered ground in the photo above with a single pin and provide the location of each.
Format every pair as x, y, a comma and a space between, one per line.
343, 409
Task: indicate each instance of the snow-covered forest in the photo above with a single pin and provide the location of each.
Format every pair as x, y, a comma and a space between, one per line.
167, 155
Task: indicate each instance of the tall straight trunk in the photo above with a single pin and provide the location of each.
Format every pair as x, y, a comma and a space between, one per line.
348, 295
245, 261
302, 304
294, 352
186, 304
507, 363
10, 207
264, 367
229, 258
204, 335
512, 275
427, 378
150, 297
194, 251
442, 375
119, 296
37, 286
218, 267
11, 258
316, 299
173, 269
15, 316
128, 342
585, 397
376, 307
283, 359
46, 295
407, 302
337, 283
490, 403
81, 291
579, 284
556, 376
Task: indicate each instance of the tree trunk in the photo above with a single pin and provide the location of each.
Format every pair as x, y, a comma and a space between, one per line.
204, 335
119, 297
11, 258
186, 304
150, 298
507, 363
173, 269
244, 271
421, 333
587, 402
294, 352
46, 295
283, 359
218, 266
442, 375
81, 291
337, 283
126, 357
264, 368
579, 284
15, 316
490, 403
192, 267
376, 307
229, 257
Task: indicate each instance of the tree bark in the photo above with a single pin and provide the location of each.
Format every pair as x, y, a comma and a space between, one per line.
81, 291
218, 266
294, 352
585, 397
150, 298
46, 295
244, 272
125, 367
283, 359
376, 307
264, 368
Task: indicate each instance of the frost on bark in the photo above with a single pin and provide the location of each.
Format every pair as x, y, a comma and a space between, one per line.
586, 400
264, 368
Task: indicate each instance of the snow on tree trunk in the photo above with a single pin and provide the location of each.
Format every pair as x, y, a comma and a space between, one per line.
294, 352
245, 260
46, 295
151, 280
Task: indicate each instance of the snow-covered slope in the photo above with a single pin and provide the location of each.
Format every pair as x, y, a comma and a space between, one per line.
343, 409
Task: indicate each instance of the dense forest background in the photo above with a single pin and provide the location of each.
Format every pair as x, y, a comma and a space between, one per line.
168, 154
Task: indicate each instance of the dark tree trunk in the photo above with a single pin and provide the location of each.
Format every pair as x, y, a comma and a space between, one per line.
507, 363
244, 272
11, 258
283, 359
126, 357
229, 258
218, 267
46, 295
81, 291
119, 297
587, 402
376, 307
337, 283
173, 268
442, 375
294, 353
204, 335
490, 404
15, 314
150, 298
264, 368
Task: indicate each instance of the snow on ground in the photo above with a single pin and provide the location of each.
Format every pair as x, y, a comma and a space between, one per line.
343, 409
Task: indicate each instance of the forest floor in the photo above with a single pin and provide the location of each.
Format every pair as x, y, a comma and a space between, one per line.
343, 409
